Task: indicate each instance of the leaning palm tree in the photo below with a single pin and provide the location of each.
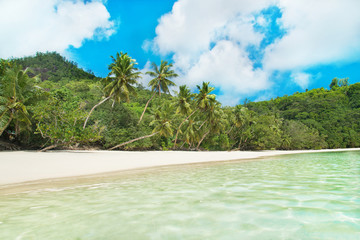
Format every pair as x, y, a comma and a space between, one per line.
15, 88
118, 85
204, 101
162, 125
161, 81
190, 134
215, 121
184, 106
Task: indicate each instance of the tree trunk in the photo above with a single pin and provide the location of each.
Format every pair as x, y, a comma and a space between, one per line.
134, 140
142, 115
177, 132
101, 102
49, 147
230, 130
202, 139
202, 125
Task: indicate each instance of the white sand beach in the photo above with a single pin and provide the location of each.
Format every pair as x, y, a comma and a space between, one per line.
25, 166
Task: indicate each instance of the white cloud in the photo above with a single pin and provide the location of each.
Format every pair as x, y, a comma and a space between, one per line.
191, 25
228, 67
208, 39
319, 32
145, 79
50, 25
302, 79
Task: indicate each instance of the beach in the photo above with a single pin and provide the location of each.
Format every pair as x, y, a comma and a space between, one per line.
23, 167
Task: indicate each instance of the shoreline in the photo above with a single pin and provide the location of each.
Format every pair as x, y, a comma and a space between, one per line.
25, 168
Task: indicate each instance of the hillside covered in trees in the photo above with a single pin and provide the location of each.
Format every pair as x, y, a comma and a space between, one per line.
48, 102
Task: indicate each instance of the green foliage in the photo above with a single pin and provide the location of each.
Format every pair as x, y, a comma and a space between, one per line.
120, 124
53, 67
325, 119
17, 90
59, 119
36, 113
122, 77
161, 77
354, 95
336, 83
297, 135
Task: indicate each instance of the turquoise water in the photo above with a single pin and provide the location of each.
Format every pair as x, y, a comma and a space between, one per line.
305, 196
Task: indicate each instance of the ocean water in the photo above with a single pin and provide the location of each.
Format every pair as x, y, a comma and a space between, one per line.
304, 196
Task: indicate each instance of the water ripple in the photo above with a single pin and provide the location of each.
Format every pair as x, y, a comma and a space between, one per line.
308, 196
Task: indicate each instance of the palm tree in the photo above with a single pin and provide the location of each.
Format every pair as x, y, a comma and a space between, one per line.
161, 81
204, 101
162, 125
15, 89
190, 133
215, 121
184, 106
118, 85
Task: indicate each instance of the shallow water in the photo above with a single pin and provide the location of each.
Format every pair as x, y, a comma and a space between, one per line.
305, 196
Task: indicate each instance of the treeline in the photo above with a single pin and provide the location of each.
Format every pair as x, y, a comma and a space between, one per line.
72, 109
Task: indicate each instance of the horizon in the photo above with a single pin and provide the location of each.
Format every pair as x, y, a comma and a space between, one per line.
247, 50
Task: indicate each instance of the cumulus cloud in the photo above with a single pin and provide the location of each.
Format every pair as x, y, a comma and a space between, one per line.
228, 67
318, 32
192, 24
209, 39
50, 25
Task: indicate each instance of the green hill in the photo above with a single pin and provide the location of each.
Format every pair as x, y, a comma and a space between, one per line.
53, 67
333, 113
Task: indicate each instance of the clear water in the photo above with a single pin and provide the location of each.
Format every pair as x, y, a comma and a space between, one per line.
305, 196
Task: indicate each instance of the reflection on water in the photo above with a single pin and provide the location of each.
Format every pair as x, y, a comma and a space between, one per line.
306, 196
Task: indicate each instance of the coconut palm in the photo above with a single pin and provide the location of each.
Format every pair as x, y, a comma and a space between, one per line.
191, 134
215, 121
118, 85
15, 89
184, 107
204, 101
161, 81
162, 125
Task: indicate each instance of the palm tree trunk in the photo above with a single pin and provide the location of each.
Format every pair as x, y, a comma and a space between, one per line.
101, 102
202, 139
181, 125
230, 130
142, 115
49, 147
202, 125
134, 140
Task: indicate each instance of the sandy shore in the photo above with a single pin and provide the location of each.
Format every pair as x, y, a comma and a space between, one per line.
22, 167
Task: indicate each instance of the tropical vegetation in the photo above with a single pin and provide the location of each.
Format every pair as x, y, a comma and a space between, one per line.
48, 102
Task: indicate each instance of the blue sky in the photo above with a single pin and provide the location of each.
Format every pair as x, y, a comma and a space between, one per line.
247, 49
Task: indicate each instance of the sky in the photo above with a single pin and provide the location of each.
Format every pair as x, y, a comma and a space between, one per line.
255, 50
